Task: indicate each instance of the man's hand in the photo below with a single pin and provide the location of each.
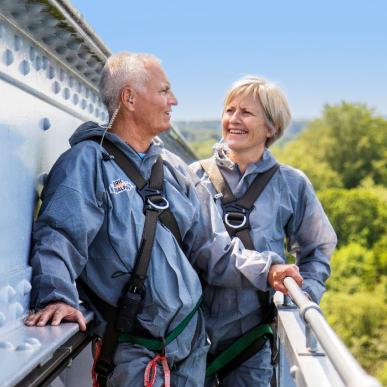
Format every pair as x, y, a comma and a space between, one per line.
278, 273
56, 312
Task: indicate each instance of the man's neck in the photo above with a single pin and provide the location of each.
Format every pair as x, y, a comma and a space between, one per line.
132, 135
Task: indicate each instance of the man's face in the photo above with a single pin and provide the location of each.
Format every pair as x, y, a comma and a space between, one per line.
154, 103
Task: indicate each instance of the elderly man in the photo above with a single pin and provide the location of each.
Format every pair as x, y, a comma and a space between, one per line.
132, 236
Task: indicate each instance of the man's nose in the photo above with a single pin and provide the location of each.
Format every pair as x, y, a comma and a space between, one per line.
172, 99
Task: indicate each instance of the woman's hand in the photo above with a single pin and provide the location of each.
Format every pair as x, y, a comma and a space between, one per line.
277, 274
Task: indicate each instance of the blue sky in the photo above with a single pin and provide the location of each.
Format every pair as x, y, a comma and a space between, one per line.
318, 52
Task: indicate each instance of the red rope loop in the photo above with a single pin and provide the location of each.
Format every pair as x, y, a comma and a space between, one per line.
151, 371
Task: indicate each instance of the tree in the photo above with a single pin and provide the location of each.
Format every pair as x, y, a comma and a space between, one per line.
360, 320
354, 268
347, 144
357, 215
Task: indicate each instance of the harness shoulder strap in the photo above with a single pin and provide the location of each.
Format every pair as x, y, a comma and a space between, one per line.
218, 181
155, 181
257, 187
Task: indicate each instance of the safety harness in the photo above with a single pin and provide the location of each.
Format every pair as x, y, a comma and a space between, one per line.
121, 321
236, 214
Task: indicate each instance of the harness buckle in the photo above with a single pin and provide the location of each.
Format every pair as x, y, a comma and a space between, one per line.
153, 198
232, 219
235, 216
159, 207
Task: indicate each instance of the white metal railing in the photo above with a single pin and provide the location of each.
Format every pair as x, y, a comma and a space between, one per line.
345, 364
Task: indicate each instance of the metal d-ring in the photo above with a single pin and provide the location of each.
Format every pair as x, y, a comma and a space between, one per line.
232, 225
157, 206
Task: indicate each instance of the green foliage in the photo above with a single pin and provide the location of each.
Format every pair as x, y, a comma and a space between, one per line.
203, 149
360, 320
354, 268
344, 148
357, 215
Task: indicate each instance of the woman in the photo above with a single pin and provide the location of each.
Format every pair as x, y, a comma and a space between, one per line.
280, 209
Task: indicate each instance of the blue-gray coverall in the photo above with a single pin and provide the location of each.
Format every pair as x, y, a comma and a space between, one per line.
287, 210
88, 228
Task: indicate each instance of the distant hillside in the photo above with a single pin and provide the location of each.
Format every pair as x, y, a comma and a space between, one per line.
201, 135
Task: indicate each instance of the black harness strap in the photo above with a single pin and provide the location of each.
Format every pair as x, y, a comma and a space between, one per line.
155, 181
156, 207
236, 212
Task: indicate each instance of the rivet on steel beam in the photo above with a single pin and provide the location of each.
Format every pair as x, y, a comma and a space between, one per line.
6, 345
73, 44
32, 53
23, 287
61, 50
34, 342
56, 87
45, 124
44, 62
7, 293
24, 67
8, 57
24, 347
38, 63
75, 99
70, 59
17, 43
50, 72
66, 93
16, 310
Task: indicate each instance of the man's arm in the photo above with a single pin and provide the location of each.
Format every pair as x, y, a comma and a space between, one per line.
69, 219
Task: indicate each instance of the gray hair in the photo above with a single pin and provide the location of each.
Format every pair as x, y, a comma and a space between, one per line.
123, 68
272, 99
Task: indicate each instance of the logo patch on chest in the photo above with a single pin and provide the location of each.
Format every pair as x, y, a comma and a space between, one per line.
119, 185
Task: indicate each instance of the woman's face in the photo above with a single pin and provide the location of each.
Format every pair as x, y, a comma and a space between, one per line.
244, 125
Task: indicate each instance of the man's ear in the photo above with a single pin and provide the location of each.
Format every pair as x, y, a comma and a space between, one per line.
127, 98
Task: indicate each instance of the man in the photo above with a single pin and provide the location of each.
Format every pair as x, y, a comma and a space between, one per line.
91, 226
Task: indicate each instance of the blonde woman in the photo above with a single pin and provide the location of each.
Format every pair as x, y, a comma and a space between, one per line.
268, 206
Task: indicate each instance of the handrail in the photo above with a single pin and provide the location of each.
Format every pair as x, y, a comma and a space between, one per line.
347, 367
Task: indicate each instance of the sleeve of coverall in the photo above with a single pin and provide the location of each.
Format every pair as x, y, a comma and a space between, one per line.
222, 261
69, 219
312, 238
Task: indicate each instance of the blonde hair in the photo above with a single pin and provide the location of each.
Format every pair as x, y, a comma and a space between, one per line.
121, 69
272, 99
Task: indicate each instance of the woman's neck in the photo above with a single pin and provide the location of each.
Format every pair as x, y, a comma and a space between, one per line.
244, 158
